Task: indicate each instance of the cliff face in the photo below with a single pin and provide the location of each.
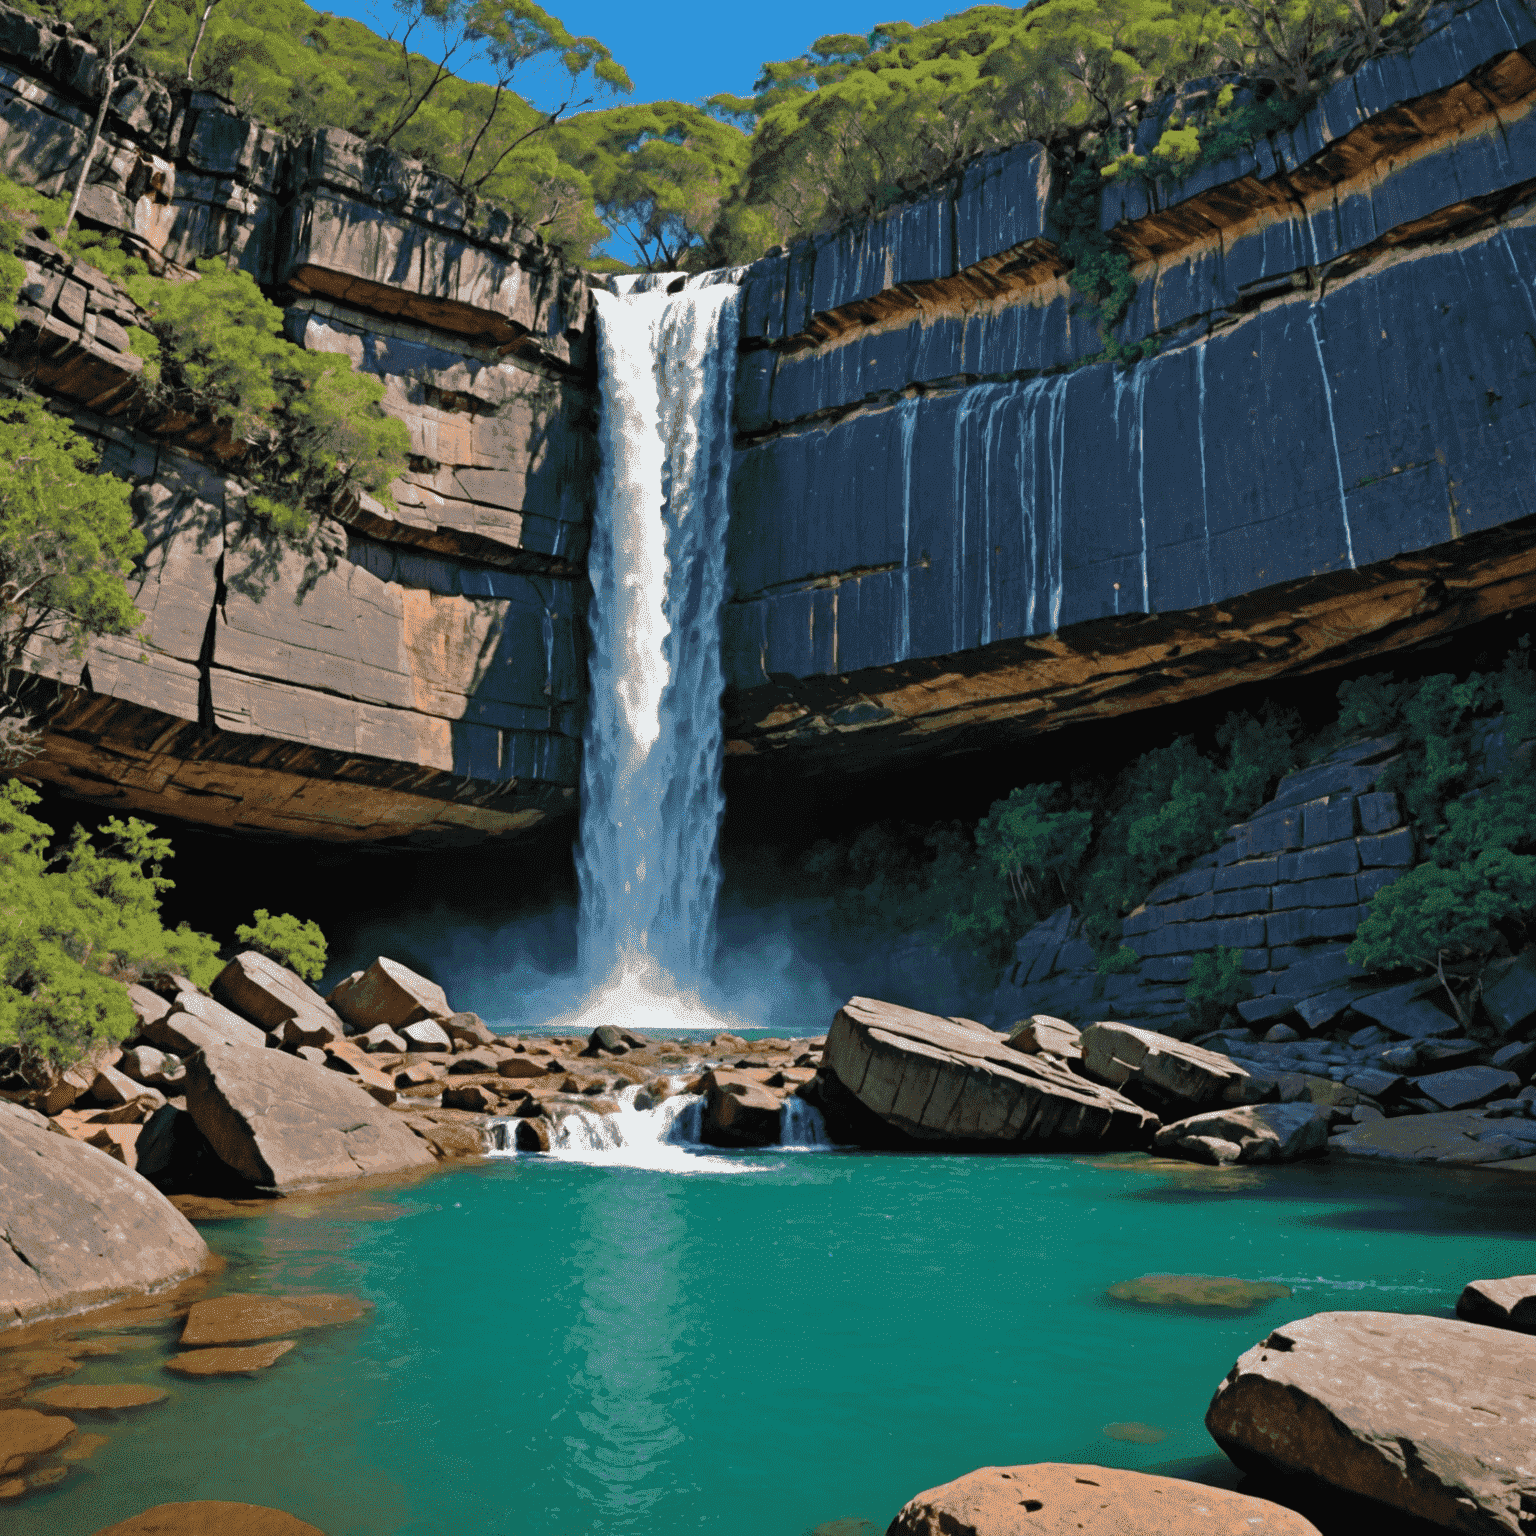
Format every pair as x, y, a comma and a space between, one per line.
946, 528
419, 673
949, 527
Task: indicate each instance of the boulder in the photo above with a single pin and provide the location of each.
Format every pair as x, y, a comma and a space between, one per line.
210, 1518
1510, 999
520, 1066
1404, 1011
1462, 1087
80, 1228
950, 1080
1168, 1073
1518, 1057
1066, 1499
418, 1073
380, 1040
482, 1101
426, 1035
276, 1000
468, 1028
349, 1058
1257, 1133
147, 1006
1198, 1293
155, 1069
1429, 1416
388, 993
1053, 1037
1456, 1138
475, 1061
1506, 1303
50, 1088
739, 1111
196, 1021
119, 1142
283, 1124
111, 1087
610, 1040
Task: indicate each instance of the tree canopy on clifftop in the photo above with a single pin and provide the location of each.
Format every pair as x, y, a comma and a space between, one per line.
854, 124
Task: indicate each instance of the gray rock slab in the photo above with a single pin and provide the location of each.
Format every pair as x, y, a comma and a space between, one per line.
1406, 1012
1462, 1087
1430, 1416
1258, 1133
78, 1228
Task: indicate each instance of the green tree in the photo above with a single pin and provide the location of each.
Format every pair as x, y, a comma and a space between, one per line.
74, 925
287, 939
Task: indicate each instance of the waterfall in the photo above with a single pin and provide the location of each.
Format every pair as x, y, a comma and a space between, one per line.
651, 755
801, 1126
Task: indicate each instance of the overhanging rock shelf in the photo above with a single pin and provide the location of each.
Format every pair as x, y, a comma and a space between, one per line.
949, 528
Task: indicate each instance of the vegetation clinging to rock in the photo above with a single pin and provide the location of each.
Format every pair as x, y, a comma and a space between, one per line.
287, 939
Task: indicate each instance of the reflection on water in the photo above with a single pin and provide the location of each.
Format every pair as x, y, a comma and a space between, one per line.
629, 1339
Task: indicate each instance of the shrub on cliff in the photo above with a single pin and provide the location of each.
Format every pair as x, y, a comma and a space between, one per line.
313, 428
287, 939
1475, 890
72, 921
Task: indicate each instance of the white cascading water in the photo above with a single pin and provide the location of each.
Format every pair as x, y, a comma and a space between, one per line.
651, 796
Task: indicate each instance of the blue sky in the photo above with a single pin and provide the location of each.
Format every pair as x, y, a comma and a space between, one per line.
689, 49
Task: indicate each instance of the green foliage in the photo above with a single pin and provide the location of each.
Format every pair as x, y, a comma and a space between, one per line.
1119, 962
287, 939
1100, 846
1477, 883
313, 427
1217, 984
74, 922
67, 539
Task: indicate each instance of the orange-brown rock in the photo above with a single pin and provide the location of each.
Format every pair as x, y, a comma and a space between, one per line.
101, 1399
26, 1435
243, 1319
238, 1360
1509, 1302
207, 1518
388, 993
1064, 1499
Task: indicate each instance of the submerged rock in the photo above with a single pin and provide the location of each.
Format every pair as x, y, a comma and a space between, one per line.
1063, 1499
1198, 1293
109, 1398
950, 1080
238, 1360
243, 1319
208, 1518
26, 1435
90, 1229
1431, 1417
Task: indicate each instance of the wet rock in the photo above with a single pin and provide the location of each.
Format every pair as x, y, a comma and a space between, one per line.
1259, 1133
209, 1518
388, 993
1198, 1293
1067, 1499
448, 1132
243, 1319
1429, 1416
239, 1360
26, 1436
739, 1111
283, 1124
101, 1399
531, 1135
1168, 1072
276, 1000
90, 1229
950, 1080
1466, 1086
1506, 1303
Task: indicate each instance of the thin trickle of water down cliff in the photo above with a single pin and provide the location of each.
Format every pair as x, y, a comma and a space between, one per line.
652, 750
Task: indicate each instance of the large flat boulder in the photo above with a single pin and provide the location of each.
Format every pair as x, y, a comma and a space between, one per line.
1053, 1498
276, 1000
1169, 1073
388, 993
284, 1124
77, 1228
1256, 1133
952, 1081
1458, 1138
196, 1021
1429, 1416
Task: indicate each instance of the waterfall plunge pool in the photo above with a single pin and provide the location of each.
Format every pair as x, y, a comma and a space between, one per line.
581, 1349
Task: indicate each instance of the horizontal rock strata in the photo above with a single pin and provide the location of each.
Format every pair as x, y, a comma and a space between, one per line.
945, 1080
